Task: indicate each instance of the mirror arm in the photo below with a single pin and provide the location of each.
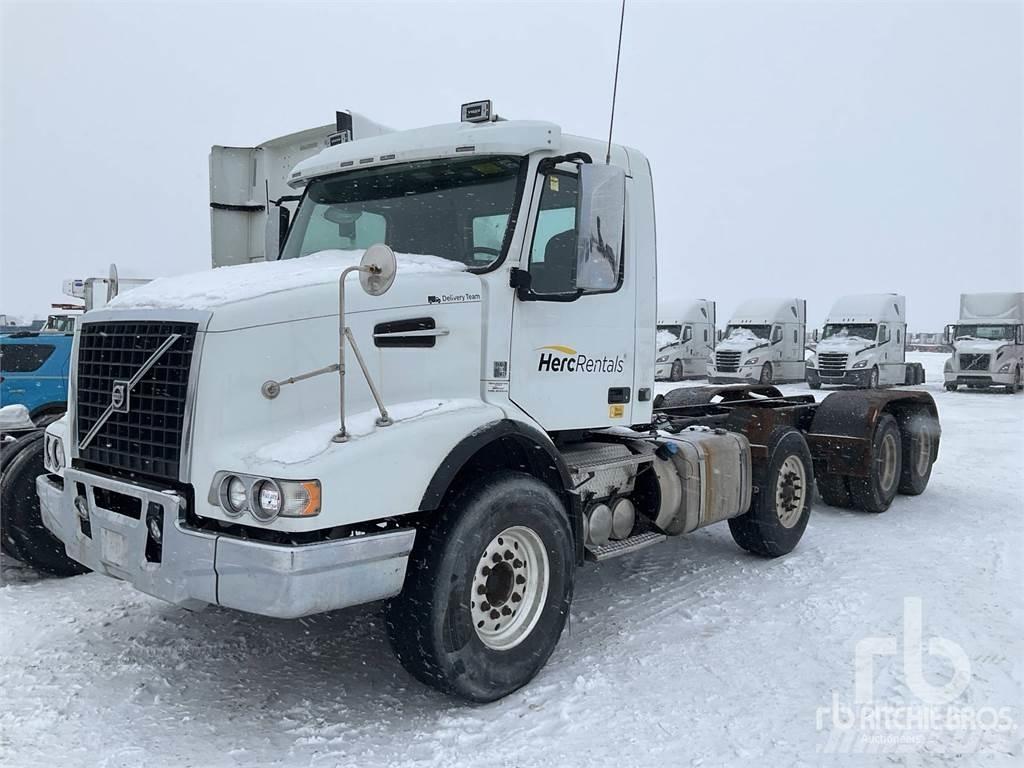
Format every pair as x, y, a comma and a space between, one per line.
548, 163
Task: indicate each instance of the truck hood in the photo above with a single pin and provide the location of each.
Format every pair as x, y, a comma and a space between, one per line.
741, 344
264, 293
983, 346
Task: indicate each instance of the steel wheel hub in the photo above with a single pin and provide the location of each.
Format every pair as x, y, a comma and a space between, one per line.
510, 587
888, 476
790, 491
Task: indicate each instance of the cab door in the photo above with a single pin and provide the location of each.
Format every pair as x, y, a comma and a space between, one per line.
572, 351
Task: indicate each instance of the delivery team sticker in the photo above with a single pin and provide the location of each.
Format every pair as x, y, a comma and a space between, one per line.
559, 358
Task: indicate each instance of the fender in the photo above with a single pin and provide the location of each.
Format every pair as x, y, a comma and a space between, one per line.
844, 424
540, 451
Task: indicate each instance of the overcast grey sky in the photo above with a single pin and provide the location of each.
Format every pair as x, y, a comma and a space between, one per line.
798, 148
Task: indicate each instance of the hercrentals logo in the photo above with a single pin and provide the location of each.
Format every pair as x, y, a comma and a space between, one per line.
569, 360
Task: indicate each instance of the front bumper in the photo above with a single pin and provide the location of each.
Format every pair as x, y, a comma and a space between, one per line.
979, 379
662, 370
745, 374
199, 567
850, 378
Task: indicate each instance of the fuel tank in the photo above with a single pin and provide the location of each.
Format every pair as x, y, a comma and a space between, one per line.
703, 477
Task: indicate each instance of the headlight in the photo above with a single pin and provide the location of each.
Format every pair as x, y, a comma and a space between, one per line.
663, 359
265, 498
234, 496
861, 364
1005, 368
53, 454
752, 361
811, 362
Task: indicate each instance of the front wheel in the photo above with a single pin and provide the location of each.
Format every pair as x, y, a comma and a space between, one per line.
781, 505
487, 590
766, 374
814, 384
951, 387
873, 378
677, 371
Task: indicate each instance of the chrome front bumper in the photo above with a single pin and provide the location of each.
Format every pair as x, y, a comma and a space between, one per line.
200, 567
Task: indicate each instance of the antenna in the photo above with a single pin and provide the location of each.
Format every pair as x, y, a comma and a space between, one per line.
615, 85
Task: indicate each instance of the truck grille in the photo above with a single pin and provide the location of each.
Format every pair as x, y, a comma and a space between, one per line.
146, 439
727, 361
974, 362
832, 363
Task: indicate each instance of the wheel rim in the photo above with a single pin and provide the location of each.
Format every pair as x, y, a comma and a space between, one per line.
510, 587
790, 491
766, 374
888, 462
677, 370
874, 378
924, 452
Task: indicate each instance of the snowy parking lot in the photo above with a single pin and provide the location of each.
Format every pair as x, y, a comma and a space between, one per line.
689, 653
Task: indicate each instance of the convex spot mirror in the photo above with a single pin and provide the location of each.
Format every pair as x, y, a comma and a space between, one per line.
377, 269
601, 207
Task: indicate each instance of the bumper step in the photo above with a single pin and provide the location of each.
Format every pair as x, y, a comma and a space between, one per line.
625, 546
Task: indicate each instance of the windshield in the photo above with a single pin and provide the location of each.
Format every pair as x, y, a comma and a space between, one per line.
668, 334
867, 331
458, 209
992, 332
745, 331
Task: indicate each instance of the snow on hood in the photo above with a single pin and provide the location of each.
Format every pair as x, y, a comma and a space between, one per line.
666, 338
840, 343
15, 417
742, 339
213, 288
308, 443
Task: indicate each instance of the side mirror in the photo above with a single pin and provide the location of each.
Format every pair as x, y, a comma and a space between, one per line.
601, 206
1018, 334
948, 335
277, 227
815, 335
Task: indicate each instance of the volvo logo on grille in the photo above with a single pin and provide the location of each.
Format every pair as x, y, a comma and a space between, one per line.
119, 397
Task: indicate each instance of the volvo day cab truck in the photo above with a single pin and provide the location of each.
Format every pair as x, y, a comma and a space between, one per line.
685, 339
988, 342
763, 342
454, 428
864, 344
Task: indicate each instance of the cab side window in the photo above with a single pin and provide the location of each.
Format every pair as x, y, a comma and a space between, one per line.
553, 254
883, 334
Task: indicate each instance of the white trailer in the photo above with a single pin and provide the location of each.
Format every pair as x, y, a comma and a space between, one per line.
454, 433
685, 338
763, 342
987, 341
864, 344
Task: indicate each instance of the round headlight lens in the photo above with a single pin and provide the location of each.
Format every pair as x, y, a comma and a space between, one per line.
267, 497
234, 496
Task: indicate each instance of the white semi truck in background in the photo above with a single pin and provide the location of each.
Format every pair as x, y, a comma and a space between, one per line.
685, 338
987, 341
763, 342
864, 344
234, 437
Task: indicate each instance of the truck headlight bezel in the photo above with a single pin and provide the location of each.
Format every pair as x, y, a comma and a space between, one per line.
662, 359
296, 498
861, 364
1005, 368
751, 361
54, 459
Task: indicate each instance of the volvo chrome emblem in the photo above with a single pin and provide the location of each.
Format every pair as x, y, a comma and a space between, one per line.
119, 397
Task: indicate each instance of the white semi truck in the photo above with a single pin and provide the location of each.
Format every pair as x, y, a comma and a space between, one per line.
763, 342
987, 341
864, 344
685, 338
454, 433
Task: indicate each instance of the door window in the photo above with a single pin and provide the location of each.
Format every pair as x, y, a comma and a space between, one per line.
553, 255
776, 334
883, 334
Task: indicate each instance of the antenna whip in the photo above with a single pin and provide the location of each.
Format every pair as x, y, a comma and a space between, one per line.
615, 85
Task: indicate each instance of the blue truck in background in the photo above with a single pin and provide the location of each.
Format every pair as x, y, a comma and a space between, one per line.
34, 370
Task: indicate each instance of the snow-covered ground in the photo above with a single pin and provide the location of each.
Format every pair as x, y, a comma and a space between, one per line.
689, 653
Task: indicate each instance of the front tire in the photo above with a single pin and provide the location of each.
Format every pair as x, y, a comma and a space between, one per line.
767, 375
873, 378
951, 387
487, 590
814, 384
22, 530
781, 505
875, 492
